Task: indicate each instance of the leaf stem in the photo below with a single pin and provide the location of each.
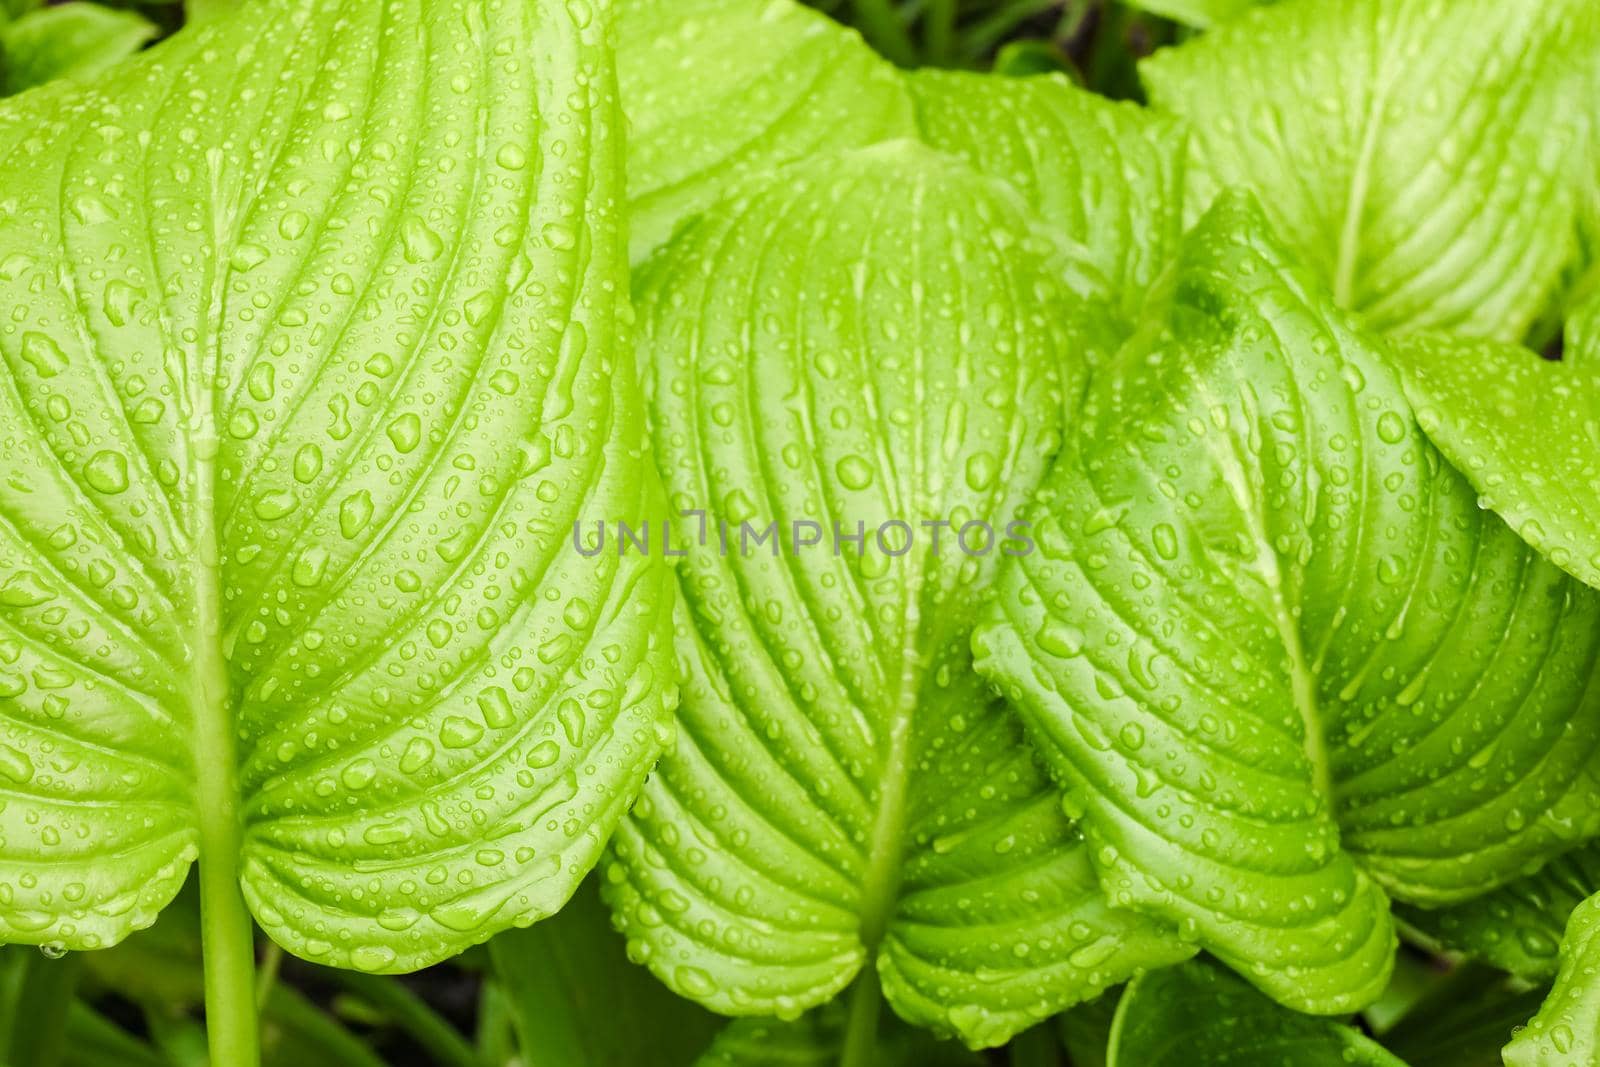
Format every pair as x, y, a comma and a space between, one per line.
267, 974
861, 1029
411, 1014
882, 28
227, 936
48, 985
939, 30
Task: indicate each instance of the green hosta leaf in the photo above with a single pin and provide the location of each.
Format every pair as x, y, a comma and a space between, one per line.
1203, 13
1566, 1032
717, 90
72, 40
1200, 1014
1283, 655
1108, 175
1425, 159
579, 1002
867, 338
1524, 431
305, 381
1518, 926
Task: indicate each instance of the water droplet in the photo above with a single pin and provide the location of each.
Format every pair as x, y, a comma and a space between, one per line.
354, 513
275, 504
457, 732
307, 463
107, 472
292, 225
15, 764
43, 354
495, 706
24, 589
421, 244
417, 755
854, 472
405, 432
1060, 639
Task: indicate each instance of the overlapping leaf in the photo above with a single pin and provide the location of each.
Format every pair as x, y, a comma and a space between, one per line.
1426, 159
1108, 176
717, 90
1277, 648
869, 339
1567, 1029
77, 39
312, 360
1525, 431
1198, 1013
1518, 926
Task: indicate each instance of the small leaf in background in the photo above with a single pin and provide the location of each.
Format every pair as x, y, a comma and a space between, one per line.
78, 39
1199, 1014
1463, 1020
578, 1001
816, 1039
1234, 643
1566, 1031
1085, 1029
1424, 159
1517, 927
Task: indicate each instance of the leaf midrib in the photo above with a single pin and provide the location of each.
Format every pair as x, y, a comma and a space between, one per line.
1302, 678
1349, 247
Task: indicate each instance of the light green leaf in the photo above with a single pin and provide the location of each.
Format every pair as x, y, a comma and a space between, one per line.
1566, 1032
1518, 926
1424, 158
1197, 1013
1202, 13
1524, 431
72, 40
1283, 655
865, 338
718, 90
1108, 176
300, 395
579, 1002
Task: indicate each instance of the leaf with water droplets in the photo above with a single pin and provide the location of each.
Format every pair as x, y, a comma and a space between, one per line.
1108, 176
1288, 663
1566, 1031
845, 795
277, 585
1355, 120
1526, 433
79, 39
718, 90
1199, 1014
